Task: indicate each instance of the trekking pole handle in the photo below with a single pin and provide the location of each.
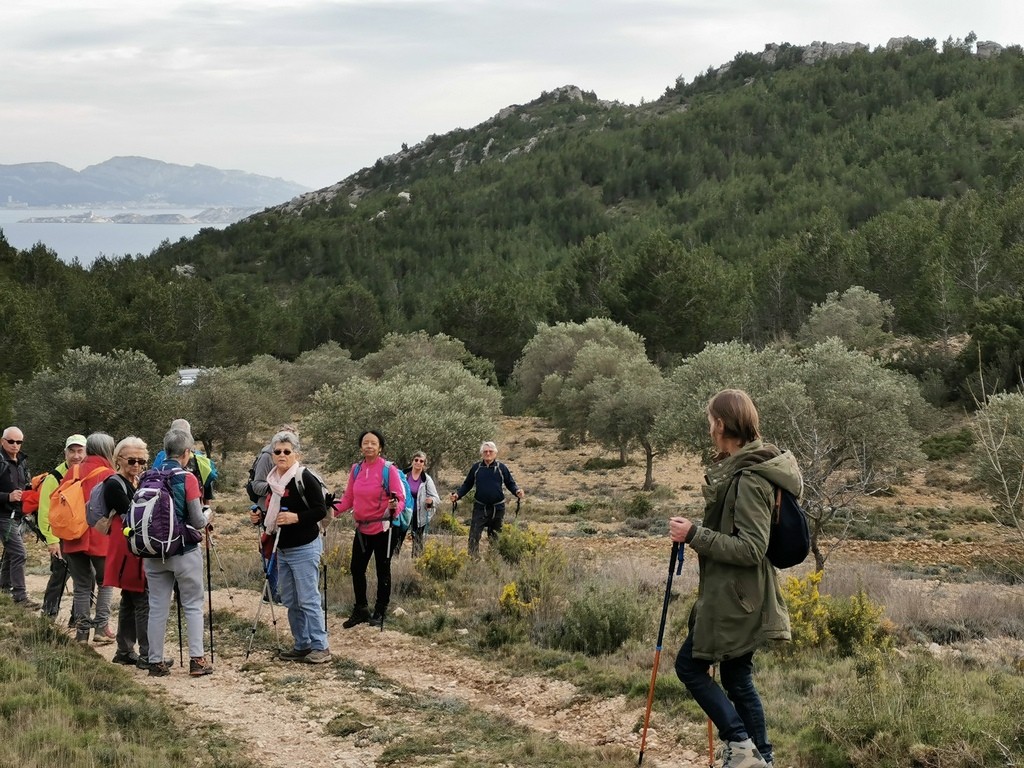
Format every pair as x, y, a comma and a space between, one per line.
679, 559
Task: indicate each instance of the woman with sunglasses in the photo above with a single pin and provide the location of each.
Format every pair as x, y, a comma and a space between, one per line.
294, 512
427, 500
123, 569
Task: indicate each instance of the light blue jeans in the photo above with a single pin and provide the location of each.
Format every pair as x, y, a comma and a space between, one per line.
299, 580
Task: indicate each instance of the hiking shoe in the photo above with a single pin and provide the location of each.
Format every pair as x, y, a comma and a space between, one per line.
29, 603
143, 663
317, 657
104, 636
377, 620
130, 659
741, 754
82, 636
295, 654
199, 666
360, 615
159, 669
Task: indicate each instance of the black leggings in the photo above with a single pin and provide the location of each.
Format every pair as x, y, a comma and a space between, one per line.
363, 546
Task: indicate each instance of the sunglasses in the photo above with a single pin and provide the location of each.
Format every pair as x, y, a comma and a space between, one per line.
133, 462
279, 451
13, 442
418, 461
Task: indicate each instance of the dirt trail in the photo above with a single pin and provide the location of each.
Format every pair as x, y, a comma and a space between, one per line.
280, 709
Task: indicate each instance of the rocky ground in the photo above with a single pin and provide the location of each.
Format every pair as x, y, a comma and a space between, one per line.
283, 711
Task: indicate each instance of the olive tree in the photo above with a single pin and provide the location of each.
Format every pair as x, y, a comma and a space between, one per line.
858, 317
852, 424
552, 352
121, 393
611, 397
435, 406
225, 405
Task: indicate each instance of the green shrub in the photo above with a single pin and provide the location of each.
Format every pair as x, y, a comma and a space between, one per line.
598, 463
577, 507
640, 506
447, 523
517, 542
532, 442
598, 622
948, 445
855, 623
441, 562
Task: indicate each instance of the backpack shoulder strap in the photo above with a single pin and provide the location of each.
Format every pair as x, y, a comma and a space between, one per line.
385, 479
56, 473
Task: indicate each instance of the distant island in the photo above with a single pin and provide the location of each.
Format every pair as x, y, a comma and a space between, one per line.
209, 216
139, 182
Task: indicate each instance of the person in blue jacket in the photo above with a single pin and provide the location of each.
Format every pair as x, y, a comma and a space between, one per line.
491, 478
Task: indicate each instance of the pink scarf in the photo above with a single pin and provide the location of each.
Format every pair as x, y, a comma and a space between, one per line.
278, 483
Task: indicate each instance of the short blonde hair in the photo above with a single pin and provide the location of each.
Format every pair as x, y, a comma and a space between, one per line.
130, 443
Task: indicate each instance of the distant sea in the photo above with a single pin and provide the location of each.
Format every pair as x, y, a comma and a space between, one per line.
87, 242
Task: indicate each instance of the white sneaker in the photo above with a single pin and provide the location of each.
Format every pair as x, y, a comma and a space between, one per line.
741, 754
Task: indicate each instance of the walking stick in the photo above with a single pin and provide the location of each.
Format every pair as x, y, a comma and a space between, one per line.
209, 590
267, 594
677, 553
181, 651
711, 730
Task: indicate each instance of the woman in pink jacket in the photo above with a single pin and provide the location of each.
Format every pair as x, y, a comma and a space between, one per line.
374, 499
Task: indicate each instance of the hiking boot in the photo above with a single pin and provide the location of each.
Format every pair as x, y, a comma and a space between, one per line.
144, 664
317, 657
82, 636
159, 669
29, 603
360, 615
295, 654
198, 667
741, 754
104, 636
377, 620
130, 659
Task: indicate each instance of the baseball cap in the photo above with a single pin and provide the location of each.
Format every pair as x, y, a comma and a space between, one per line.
74, 440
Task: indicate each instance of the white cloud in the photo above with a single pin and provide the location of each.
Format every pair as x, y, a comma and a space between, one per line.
313, 90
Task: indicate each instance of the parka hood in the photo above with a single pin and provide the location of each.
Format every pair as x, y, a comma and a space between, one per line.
778, 467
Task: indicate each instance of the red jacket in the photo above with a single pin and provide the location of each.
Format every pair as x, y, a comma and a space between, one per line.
93, 542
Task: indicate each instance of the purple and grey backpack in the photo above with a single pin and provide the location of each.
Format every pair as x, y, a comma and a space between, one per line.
154, 527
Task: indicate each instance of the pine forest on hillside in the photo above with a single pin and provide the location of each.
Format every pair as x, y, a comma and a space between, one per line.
726, 209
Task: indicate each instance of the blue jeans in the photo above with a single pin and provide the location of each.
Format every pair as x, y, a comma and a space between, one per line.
739, 715
299, 579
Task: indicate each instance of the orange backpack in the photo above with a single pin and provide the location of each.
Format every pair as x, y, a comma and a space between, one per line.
68, 519
30, 498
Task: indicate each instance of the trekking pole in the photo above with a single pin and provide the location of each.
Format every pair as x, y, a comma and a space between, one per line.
323, 574
267, 594
677, 554
209, 589
711, 729
220, 566
181, 648
451, 528
63, 584
519, 503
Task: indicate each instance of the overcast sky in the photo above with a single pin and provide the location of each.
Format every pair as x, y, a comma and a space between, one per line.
312, 90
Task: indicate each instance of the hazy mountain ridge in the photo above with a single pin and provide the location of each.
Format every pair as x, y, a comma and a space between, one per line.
139, 181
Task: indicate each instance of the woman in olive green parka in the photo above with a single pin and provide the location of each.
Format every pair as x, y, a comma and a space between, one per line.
739, 604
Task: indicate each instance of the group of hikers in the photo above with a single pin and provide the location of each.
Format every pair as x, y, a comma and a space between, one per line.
739, 606
290, 507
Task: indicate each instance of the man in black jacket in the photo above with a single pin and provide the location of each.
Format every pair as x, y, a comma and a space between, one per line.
14, 479
490, 477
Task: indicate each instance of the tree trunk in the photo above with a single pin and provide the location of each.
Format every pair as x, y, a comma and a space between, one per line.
649, 474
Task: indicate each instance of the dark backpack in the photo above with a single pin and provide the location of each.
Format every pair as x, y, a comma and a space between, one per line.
254, 497
154, 527
790, 540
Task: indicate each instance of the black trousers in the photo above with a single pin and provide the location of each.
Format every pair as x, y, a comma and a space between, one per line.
363, 547
489, 516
